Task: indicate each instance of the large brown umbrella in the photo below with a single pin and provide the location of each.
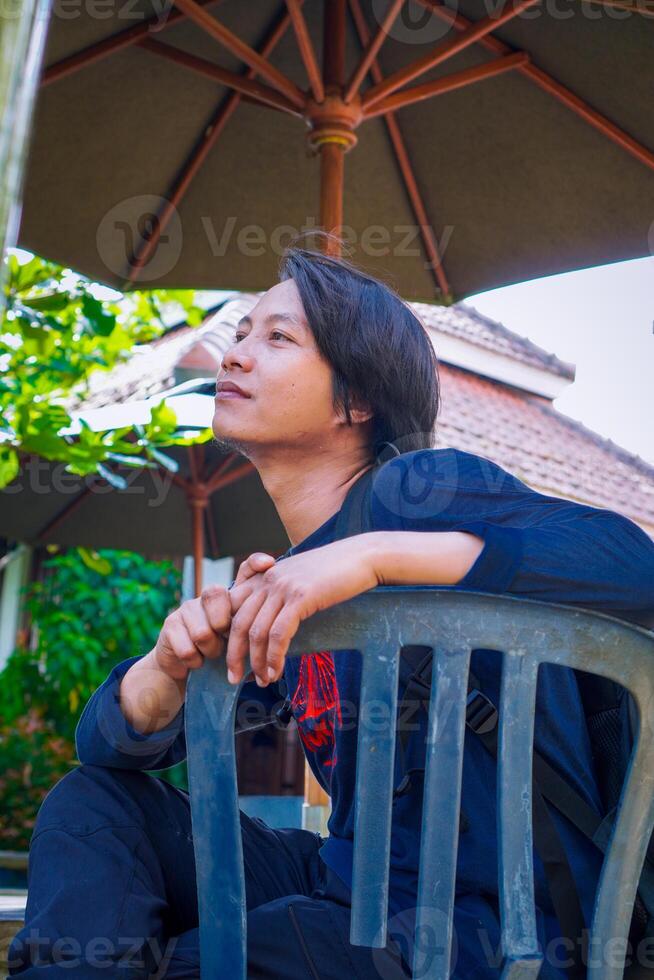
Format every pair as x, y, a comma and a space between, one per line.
462, 149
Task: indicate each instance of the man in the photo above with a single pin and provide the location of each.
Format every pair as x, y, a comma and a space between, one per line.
328, 370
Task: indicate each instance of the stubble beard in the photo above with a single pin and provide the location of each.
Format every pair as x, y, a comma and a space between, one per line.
227, 444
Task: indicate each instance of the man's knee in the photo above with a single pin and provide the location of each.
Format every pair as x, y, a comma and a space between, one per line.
89, 793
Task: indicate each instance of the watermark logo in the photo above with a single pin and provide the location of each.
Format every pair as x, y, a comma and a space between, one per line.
415, 22
415, 942
126, 229
43, 478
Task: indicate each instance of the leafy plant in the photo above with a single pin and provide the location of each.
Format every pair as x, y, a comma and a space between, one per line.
91, 611
34, 757
56, 330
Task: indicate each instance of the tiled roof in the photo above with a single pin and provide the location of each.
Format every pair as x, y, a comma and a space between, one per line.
465, 323
547, 450
522, 432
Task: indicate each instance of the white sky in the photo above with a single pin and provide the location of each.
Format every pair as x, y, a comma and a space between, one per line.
602, 320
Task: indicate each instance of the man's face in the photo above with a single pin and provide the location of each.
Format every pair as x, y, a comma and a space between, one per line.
287, 384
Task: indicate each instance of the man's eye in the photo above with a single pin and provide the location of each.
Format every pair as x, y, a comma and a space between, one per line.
276, 333
238, 336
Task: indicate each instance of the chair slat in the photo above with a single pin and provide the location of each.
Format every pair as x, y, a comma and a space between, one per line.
624, 858
209, 719
440, 815
514, 810
374, 794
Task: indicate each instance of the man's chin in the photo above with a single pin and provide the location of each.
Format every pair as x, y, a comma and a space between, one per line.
230, 444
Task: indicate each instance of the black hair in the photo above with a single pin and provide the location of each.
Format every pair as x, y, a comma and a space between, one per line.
379, 351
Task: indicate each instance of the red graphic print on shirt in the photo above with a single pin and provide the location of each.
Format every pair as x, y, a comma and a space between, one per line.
316, 705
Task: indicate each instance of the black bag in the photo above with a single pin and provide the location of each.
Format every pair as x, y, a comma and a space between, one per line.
606, 709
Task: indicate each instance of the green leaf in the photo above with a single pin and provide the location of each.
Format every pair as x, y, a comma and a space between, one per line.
9, 466
30, 274
166, 461
94, 561
195, 316
48, 301
101, 321
116, 481
137, 462
191, 437
163, 421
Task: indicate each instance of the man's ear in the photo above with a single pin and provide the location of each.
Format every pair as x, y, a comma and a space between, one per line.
360, 412
360, 415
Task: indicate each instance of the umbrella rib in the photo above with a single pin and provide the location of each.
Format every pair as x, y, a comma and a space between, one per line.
306, 47
449, 83
406, 169
217, 482
102, 49
371, 49
65, 512
178, 480
443, 51
207, 140
193, 465
240, 83
553, 87
243, 51
222, 468
211, 527
645, 10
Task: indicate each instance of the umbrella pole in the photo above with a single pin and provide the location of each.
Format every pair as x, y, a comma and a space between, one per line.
198, 497
331, 190
333, 122
198, 504
333, 135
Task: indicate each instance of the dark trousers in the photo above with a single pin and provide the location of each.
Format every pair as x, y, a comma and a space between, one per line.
112, 892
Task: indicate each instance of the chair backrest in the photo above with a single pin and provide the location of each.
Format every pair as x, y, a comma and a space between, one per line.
378, 624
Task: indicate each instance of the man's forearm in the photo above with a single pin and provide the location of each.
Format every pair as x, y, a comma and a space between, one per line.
423, 557
149, 698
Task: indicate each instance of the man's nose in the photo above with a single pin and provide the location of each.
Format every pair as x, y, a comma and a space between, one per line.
237, 356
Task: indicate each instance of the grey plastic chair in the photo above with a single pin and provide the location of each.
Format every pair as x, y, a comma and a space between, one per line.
453, 623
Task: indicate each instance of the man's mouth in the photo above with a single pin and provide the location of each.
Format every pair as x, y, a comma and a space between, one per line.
228, 389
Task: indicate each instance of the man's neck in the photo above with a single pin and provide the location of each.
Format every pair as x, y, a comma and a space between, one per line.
307, 490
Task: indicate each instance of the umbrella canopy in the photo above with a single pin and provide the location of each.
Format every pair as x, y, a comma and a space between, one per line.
460, 150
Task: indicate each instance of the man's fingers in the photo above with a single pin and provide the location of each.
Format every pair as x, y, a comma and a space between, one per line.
208, 642
259, 632
257, 562
182, 646
281, 632
238, 594
238, 644
217, 606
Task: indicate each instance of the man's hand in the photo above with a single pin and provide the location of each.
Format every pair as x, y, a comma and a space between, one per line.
196, 630
154, 688
269, 601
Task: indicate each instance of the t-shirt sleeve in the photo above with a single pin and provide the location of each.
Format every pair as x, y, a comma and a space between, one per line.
535, 546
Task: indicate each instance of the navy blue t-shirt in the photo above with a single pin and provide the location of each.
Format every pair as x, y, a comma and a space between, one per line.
535, 546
